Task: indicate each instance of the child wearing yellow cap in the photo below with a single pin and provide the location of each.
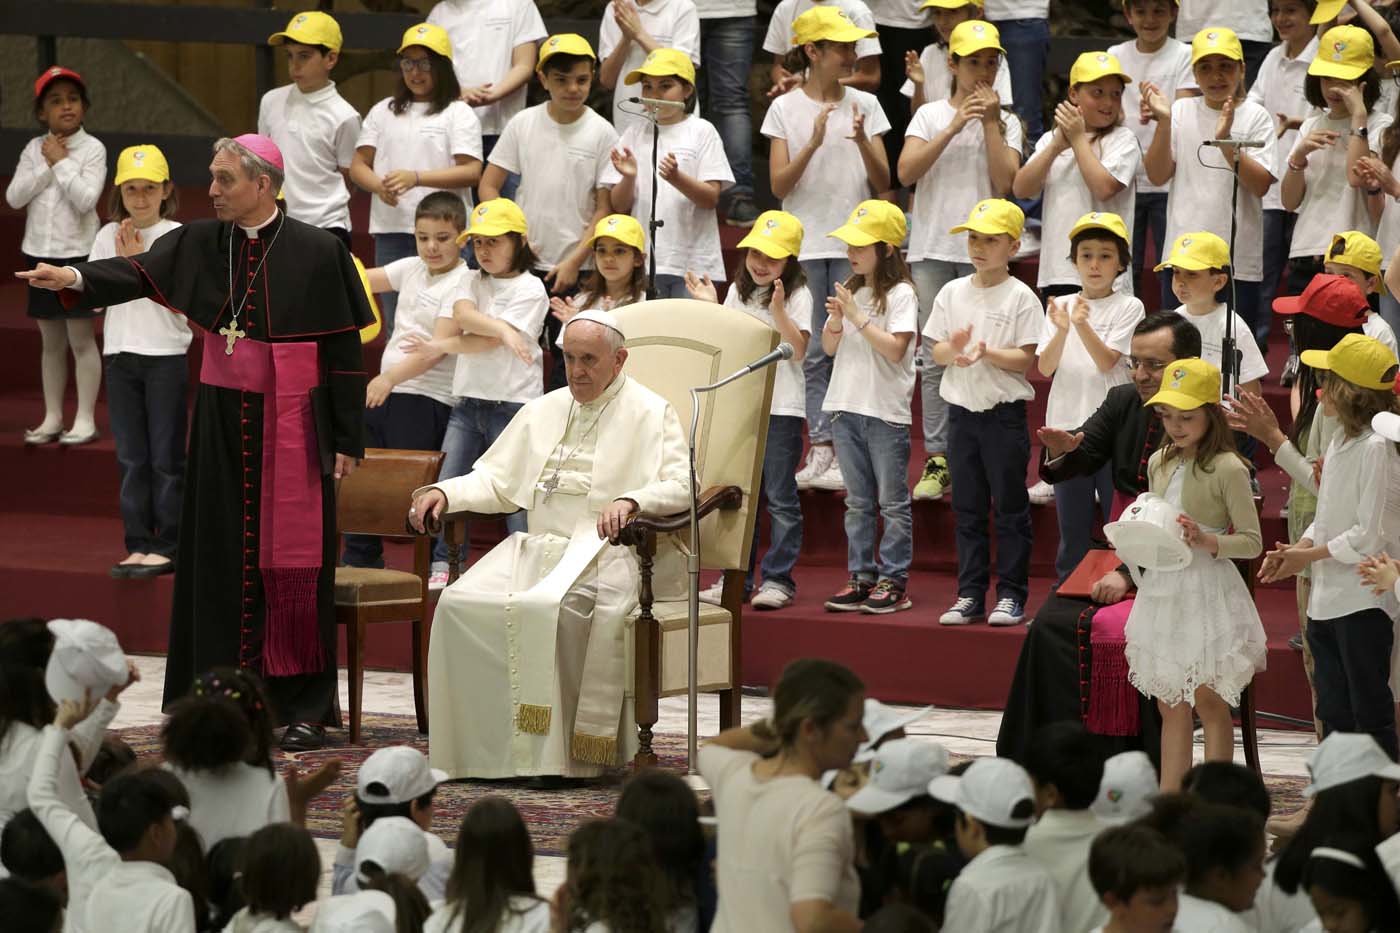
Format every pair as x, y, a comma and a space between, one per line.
493, 54
869, 330
143, 347
420, 139
1199, 174
1194, 639
928, 77
769, 284
1087, 162
619, 274
984, 328
784, 35
1358, 257
1349, 626
630, 31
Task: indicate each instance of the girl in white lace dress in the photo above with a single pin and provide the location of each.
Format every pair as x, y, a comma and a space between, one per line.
1194, 637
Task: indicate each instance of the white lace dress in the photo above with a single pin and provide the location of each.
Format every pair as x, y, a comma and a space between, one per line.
1194, 627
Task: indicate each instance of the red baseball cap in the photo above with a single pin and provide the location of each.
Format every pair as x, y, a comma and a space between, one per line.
1332, 299
50, 75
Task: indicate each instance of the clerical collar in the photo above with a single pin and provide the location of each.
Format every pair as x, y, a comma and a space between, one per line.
252, 232
608, 394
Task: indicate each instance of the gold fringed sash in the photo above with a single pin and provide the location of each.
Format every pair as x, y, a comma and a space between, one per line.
532, 718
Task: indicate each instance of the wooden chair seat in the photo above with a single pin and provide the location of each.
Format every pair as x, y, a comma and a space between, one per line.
365, 586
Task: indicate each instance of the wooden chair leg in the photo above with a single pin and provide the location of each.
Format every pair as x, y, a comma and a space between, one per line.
420, 675
355, 657
1249, 734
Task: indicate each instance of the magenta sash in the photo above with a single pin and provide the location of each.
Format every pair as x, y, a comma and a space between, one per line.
290, 507
1113, 701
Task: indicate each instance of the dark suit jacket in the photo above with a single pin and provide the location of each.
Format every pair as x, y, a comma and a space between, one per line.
1114, 434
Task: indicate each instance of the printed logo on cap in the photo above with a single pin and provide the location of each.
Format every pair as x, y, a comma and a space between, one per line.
978, 28
1212, 36
139, 155
1115, 795
842, 14
300, 19
1337, 49
1101, 58
1186, 241
612, 222
769, 226
422, 30
481, 211
860, 212
1178, 374
554, 41
982, 208
655, 54
55, 71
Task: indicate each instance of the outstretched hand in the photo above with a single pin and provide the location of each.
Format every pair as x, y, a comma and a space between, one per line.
50, 278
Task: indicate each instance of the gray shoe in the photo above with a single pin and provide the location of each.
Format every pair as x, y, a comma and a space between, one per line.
742, 212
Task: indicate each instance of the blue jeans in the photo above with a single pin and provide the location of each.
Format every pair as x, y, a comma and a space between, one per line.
1390, 311
874, 457
472, 427
673, 286
1075, 511
1150, 219
1027, 43
822, 276
1247, 306
988, 452
726, 47
780, 462
930, 275
387, 248
1278, 236
146, 402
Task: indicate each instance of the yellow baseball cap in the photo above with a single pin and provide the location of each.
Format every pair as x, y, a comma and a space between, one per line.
827, 23
495, 217
662, 62
310, 28
1091, 66
1101, 220
1187, 385
873, 222
994, 215
1196, 252
1326, 11
974, 35
141, 163
372, 329
951, 4
1345, 52
430, 37
565, 43
776, 234
621, 227
1361, 360
1357, 250
1216, 40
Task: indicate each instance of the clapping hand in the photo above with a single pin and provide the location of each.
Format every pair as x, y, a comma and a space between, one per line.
668, 168
129, 241
1154, 104
1379, 573
913, 67
700, 287
819, 124
628, 19
845, 306
1069, 121
857, 126
1079, 316
777, 300
1058, 315
624, 161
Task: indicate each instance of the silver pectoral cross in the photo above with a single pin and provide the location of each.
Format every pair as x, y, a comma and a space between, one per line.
231, 333
550, 485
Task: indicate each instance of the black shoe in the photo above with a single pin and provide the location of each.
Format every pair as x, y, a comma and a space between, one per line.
851, 597
121, 571
1296, 642
886, 597
304, 737
146, 571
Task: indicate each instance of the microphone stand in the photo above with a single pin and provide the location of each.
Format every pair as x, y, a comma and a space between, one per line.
1231, 358
653, 224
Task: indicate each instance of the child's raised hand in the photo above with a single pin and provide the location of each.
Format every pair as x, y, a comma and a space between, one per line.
958, 339
1069, 121
991, 100
1058, 315
1252, 415
302, 788
668, 168
349, 822
377, 392
1226, 121
701, 288
1155, 105
777, 300
133, 675
819, 124
847, 303
72, 712
1192, 534
857, 125
563, 309
627, 18
972, 108
1286, 123
53, 148
129, 239
913, 68
624, 161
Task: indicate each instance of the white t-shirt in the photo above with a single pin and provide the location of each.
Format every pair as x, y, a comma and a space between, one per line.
726, 9
862, 380
236, 801
1079, 387
1202, 916
140, 326
1005, 315
1001, 10
1248, 18
781, 841
484, 35
1203, 194
789, 393
526, 915
1060, 842
498, 375
901, 14
674, 24
1212, 328
1170, 69
689, 239
945, 194
834, 181
423, 297
1279, 89
938, 79
1330, 204
1376, 328
561, 169
416, 141
316, 133
778, 39
1067, 198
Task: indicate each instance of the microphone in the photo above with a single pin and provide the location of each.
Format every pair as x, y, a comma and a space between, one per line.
783, 352
657, 103
1232, 143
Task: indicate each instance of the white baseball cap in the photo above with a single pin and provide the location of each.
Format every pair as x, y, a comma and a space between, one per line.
990, 790
1344, 757
402, 771
396, 844
361, 912
1125, 793
880, 720
899, 772
86, 658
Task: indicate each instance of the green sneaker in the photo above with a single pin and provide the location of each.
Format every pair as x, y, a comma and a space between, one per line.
935, 481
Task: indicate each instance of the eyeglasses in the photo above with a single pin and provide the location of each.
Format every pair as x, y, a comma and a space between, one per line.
410, 65
1152, 366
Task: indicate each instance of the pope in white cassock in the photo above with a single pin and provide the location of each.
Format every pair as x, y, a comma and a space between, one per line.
526, 662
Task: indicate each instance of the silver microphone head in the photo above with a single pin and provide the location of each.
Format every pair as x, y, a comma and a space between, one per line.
785, 350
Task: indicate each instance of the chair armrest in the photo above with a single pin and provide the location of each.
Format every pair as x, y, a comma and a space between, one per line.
716, 498
435, 526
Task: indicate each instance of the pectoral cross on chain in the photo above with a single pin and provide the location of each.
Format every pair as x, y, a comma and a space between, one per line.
231, 333
550, 485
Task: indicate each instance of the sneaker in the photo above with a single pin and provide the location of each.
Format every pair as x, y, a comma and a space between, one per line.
1007, 612
819, 460
437, 580
935, 481
771, 596
831, 480
742, 212
963, 611
886, 597
850, 598
1042, 493
713, 593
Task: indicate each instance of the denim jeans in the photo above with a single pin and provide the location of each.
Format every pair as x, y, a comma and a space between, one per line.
1150, 219
1075, 511
512, 182
146, 402
1278, 236
1248, 307
726, 47
1351, 672
874, 457
673, 286
1390, 311
1027, 44
387, 248
822, 276
930, 275
988, 452
472, 427
780, 462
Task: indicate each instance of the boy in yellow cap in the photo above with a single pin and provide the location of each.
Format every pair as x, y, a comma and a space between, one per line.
1358, 257
552, 155
927, 72
144, 348
314, 126
1200, 174
630, 31
783, 36
494, 48
984, 328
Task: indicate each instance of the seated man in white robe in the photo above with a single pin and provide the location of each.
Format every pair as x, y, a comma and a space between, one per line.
526, 662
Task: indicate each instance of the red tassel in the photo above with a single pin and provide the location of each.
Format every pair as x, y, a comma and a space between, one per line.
292, 632
1113, 700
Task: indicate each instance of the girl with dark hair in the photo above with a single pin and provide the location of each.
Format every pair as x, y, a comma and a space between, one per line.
278, 868
492, 885
1349, 888
613, 883
665, 808
1224, 851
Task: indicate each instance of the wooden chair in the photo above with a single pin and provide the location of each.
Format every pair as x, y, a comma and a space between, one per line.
371, 501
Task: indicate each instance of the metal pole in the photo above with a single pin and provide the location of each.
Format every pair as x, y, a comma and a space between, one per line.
693, 568
652, 227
